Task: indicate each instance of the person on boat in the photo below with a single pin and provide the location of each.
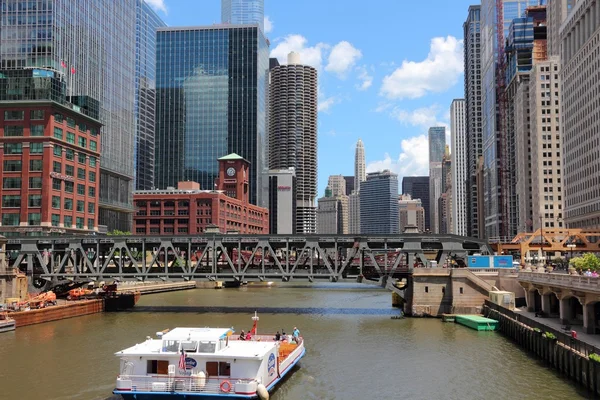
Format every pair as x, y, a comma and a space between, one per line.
283, 336
296, 335
248, 336
242, 336
277, 336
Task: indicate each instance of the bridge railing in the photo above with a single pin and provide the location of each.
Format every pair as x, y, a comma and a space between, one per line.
568, 281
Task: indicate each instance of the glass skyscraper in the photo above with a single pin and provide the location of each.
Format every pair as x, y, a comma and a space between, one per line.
91, 42
146, 24
379, 204
211, 86
238, 12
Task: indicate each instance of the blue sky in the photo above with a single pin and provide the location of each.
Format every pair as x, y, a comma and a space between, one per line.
388, 69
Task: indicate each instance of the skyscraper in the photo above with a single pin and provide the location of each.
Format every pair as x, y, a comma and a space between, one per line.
437, 145
337, 183
359, 165
147, 22
210, 103
93, 45
472, 52
293, 133
379, 204
418, 188
240, 12
349, 185
458, 128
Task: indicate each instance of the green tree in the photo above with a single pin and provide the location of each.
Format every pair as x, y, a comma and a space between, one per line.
588, 261
117, 232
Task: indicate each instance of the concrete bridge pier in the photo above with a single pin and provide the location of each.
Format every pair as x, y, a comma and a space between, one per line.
530, 299
546, 309
566, 311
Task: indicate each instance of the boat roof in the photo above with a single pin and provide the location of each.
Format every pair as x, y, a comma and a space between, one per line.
199, 334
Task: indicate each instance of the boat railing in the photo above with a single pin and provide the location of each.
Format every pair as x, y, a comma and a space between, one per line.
266, 338
182, 384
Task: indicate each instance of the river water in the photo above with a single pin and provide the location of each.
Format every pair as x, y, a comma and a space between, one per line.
354, 349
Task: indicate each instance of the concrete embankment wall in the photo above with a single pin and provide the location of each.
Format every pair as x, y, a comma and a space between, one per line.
153, 287
54, 313
568, 356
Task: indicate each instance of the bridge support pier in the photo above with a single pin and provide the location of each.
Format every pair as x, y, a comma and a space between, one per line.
589, 318
530, 299
546, 303
566, 312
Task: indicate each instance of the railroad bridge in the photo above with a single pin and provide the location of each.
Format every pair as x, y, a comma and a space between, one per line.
234, 257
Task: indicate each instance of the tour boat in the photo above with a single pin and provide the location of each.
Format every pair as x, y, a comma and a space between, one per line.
6, 323
206, 362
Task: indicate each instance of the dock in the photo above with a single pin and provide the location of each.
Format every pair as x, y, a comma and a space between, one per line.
477, 322
155, 287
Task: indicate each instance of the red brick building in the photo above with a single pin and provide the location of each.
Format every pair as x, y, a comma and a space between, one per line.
50, 169
188, 210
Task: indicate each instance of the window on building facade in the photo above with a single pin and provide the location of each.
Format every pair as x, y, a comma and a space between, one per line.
11, 201
93, 145
58, 118
92, 208
36, 114
69, 170
92, 191
35, 200
70, 122
11, 183
90, 223
57, 150
81, 141
36, 148
35, 165
12, 166
79, 222
94, 131
34, 218
92, 161
69, 187
81, 189
35, 182
58, 133
68, 204
13, 130
68, 221
70, 154
56, 184
81, 158
14, 115
13, 148
82, 127
55, 219
92, 176
80, 206
56, 202
80, 173
11, 219
70, 137
56, 167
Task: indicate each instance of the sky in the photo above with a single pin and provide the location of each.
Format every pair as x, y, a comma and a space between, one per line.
388, 70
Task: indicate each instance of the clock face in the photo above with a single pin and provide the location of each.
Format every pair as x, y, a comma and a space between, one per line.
231, 171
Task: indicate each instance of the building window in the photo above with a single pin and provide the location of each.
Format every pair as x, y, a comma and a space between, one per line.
56, 167
94, 131
55, 219
92, 208
36, 148
36, 114
69, 170
13, 148
58, 118
92, 176
12, 165
35, 200
70, 154
80, 173
90, 223
80, 206
12, 219
58, 133
70, 122
93, 145
56, 184
69, 187
11, 183
11, 201
56, 202
57, 150
81, 158
68, 221
82, 127
35, 165
14, 115
34, 218
36, 130
92, 161
13, 130
81, 141
68, 204
81, 189
79, 222
35, 182
92, 191
70, 137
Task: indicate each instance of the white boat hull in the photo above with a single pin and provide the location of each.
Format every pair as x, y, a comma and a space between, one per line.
7, 326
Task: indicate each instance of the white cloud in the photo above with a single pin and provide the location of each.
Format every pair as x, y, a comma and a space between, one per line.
437, 73
308, 55
268, 24
413, 159
342, 58
158, 5
423, 117
365, 78
324, 103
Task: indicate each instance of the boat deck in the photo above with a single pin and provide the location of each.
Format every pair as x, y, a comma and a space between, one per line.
477, 322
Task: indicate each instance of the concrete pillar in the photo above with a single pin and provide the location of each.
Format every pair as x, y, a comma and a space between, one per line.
589, 319
530, 299
566, 314
546, 303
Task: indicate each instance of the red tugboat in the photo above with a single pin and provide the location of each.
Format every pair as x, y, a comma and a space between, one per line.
118, 301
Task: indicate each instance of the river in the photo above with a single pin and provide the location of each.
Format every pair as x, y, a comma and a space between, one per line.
354, 349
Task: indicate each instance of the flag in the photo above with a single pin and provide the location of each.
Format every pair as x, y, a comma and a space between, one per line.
72, 70
182, 361
253, 330
63, 64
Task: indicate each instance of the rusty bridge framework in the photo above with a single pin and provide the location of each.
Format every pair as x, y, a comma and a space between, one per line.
232, 257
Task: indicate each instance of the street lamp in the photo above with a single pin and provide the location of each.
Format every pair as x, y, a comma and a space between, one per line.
571, 246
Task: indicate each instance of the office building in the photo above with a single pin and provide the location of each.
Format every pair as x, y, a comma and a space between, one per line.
445, 201
337, 184
293, 133
458, 129
282, 201
558, 10
359, 165
147, 22
75, 41
189, 210
379, 204
243, 12
473, 106
354, 213
580, 46
437, 145
418, 188
349, 185
411, 213
332, 214
210, 103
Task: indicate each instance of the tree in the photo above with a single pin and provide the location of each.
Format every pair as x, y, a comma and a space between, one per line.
588, 261
117, 232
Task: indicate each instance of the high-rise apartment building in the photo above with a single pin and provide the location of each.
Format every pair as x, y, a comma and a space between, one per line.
93, 45
354, 213
359, 165
147, 22
580, 46
458, 129
210, 103
243, 12
379, 204
472, 53
411, 213
337, 183
293, 133
437, 144
492, 195
418, 188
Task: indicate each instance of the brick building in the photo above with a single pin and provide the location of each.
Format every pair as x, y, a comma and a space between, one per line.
187, 210
50, 168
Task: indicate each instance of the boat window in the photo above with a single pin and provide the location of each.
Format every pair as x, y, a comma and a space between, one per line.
189, 346
170, 345
224, 369
206, 347
157, 367
214, 368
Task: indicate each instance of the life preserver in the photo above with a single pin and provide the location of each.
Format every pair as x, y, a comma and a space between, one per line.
225, 386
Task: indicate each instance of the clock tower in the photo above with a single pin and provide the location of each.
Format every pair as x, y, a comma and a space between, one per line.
234, 177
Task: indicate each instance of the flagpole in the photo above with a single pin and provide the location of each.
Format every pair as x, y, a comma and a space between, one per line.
255, 319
